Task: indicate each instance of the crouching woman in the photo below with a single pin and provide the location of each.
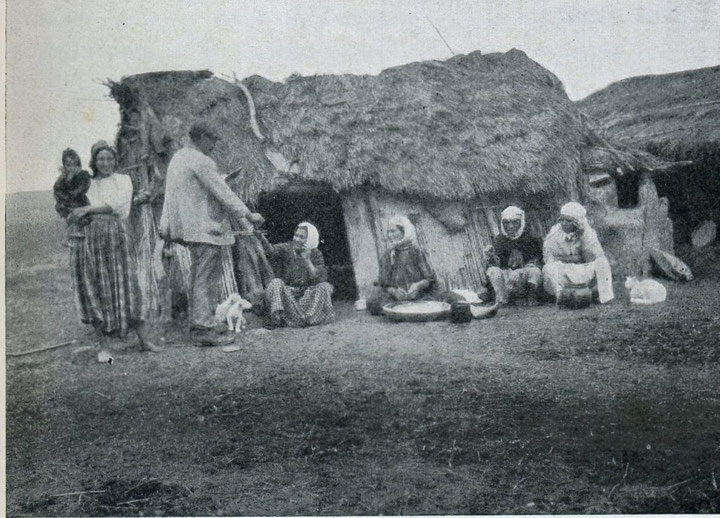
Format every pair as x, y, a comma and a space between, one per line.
514, 259
405, 272
574, 259
299, 295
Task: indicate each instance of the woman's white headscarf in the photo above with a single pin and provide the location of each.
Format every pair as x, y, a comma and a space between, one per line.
409, 235
313, 236
578, 214
512, 213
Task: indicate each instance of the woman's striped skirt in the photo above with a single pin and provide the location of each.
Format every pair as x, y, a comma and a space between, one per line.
104, 268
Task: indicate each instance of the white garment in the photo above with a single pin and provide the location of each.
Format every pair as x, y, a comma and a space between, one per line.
595, 274
116, 191
198, 203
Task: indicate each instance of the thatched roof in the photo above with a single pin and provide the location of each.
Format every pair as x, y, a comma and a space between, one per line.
472, 126
676, 116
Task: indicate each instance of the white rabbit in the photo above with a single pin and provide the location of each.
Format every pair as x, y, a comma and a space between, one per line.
647, 291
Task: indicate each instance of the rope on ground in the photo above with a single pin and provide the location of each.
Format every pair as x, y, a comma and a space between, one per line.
41, 349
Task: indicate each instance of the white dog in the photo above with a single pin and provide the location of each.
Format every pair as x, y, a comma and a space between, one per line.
232, 311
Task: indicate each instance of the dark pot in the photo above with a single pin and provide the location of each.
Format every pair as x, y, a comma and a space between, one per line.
460, 313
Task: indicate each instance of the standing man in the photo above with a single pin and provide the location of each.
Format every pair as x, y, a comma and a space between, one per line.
197, 209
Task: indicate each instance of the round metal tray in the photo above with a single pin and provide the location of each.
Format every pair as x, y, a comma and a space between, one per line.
440, 311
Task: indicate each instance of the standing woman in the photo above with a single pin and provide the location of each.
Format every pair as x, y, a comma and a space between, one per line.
110, 298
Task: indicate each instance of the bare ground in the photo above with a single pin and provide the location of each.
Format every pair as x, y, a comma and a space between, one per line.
613, 409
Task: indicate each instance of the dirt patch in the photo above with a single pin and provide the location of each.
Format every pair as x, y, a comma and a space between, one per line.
612, 409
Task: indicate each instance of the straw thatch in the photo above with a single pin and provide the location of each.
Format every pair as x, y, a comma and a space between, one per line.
676, 116
472, 126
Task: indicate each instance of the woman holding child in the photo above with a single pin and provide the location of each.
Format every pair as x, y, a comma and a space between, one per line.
107, 290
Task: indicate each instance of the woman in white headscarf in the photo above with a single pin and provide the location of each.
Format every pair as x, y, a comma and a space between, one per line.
405, 272
574, 257
514, 260
299, 295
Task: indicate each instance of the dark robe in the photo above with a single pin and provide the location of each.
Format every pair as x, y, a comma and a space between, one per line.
71, 193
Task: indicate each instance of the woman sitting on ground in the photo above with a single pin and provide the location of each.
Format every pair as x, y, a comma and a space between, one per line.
405, 272
108, 293
514, 260
574, 258
299, 295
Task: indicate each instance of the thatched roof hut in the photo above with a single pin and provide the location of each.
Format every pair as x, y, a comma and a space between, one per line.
449, 143
676, 117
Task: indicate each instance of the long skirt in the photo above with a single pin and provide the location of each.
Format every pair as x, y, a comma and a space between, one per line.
107, 292
229, 284
509, 283
253, 271
595, 275
177, 263
300, 308
143, 231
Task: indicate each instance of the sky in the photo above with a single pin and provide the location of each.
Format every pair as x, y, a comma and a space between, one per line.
59, 52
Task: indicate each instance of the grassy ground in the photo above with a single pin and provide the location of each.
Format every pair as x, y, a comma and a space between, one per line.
612, 409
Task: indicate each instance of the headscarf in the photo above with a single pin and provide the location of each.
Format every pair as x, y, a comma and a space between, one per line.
577, 213
313, 236
409, 235
100, 145
512, 213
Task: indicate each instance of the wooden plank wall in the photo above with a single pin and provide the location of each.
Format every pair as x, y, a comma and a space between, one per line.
361, 237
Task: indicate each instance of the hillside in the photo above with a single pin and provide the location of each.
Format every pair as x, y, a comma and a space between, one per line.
34, 233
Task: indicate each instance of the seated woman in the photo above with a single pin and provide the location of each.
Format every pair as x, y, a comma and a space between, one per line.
574, 258
299, 295
405, 273
514, 259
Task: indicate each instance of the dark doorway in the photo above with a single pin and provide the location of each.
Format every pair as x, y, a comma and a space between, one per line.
320, 205
693, 194
628, 190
